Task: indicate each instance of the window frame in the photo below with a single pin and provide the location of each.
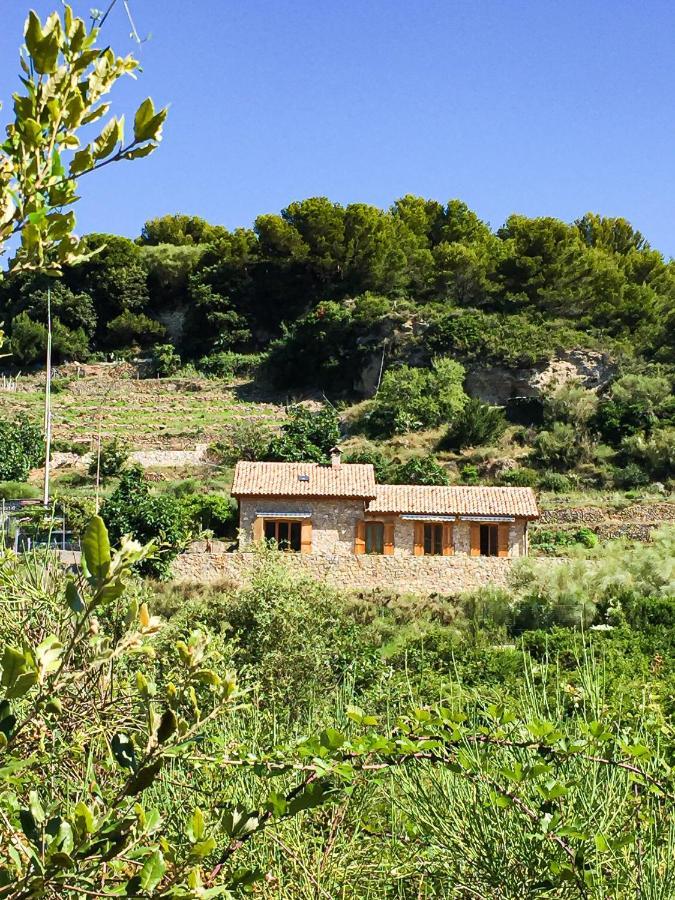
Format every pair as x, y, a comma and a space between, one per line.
436, 543
369, 525
491, 542
275, 523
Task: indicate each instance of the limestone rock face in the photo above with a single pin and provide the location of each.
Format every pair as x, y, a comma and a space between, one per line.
498, 384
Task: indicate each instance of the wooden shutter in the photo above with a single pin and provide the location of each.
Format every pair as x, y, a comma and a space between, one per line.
388, 538
306, 536
258, 525
448, 546
475, 539
503, 540
418, 540
360, 538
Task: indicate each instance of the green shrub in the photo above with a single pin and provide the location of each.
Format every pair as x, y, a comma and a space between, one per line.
131, 328
420, 470
522, 477
28, 343
211, 512
249, 440
630, 476
18, 490
469, 474
132, 509
655, 454
306, 436
111, 460
557, 448
229, 364
77, 511
165, 361
410, 399
556, 482
374, 457
476, 425
553, 540
22, 449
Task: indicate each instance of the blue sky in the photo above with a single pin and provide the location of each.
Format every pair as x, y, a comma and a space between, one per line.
531, 106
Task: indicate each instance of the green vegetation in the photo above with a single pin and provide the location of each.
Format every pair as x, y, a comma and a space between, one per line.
367, 744
22, 449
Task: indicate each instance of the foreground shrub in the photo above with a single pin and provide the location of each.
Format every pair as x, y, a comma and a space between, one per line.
165, 361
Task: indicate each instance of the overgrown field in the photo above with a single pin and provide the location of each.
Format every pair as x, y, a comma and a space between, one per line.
491, 746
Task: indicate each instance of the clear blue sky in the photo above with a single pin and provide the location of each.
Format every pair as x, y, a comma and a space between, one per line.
531, 106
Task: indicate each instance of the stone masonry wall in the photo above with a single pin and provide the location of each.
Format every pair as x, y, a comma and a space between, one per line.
333, 521
334, 526
411, 574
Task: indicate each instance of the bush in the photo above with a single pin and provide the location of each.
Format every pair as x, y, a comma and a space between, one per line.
631, 476
249, 440
476, 425
306, 436
131, 328
469, 474
28, 344
22, 449
18, 490
77, 512
374, 457
229, 364
132, 509
165, 361
556, 482
410, 399
522, 477
420, 470
112, 459
558, 448
570, 403
655, 454
552, 540
211, 512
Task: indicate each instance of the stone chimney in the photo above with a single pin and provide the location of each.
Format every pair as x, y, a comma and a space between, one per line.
335, 457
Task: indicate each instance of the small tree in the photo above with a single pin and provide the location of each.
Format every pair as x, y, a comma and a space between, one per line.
306, 436
22, 449
111, 460
476, 425
420, 470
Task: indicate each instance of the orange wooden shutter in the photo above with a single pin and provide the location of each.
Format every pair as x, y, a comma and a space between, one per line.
418, 545
306, 536
502, 540
258, 529
388, 538
360, 539
448, 546
475, 539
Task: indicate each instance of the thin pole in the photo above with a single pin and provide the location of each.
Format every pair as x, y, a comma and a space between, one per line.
48, 396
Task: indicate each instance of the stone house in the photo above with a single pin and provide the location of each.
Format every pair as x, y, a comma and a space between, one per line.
339, 511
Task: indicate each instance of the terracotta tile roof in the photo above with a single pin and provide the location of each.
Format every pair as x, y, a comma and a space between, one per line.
460, 501
281, 479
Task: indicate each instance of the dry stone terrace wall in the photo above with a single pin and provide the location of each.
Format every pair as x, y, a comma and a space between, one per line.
635, 522
413, 575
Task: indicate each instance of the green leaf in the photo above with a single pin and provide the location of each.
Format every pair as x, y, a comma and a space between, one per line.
96, 547
196, 827
32, 33
140, 152
203, 848
167, 726
152, 872
73, 597
48, 655
147, 123
123, 751
18, 672
83, 818
143, 778
109, 138
82, 161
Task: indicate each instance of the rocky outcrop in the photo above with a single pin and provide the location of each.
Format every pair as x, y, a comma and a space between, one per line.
498, 384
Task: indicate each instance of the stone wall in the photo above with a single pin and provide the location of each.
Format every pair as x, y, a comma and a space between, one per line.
333, 521
413, 574
334, 526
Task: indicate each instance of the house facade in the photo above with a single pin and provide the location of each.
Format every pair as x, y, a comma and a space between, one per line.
338, 510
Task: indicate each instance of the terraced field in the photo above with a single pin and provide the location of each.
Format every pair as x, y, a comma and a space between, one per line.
172, 413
